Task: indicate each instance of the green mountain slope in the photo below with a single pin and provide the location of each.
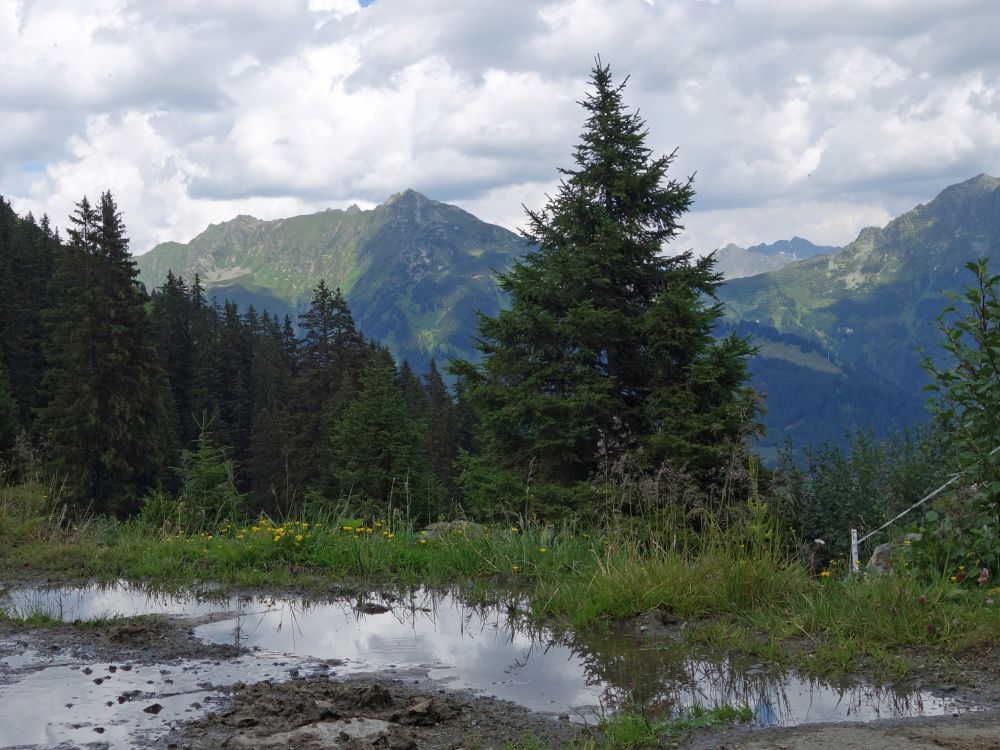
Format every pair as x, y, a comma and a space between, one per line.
868, 308
872, 302
413, 270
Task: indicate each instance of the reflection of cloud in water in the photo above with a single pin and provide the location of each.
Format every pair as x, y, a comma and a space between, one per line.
477, 648
492, 650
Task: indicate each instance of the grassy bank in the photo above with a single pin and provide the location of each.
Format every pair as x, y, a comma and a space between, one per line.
738, 588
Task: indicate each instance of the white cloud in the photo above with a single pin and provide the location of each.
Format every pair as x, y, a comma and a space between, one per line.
812, 119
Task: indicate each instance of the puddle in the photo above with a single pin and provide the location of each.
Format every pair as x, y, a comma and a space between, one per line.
106, 703
483, 649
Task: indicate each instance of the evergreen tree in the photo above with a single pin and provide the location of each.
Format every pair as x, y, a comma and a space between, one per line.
106, 417
27, 260
441, 428
376, 445
413, 391
171, 320
329, 363
205, 377
270, 442
605, 335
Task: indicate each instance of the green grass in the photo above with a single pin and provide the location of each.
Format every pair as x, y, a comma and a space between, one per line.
737, 589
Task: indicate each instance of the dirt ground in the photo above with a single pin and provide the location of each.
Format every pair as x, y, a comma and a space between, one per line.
322, 710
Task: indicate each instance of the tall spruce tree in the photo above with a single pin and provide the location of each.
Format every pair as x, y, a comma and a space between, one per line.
106, 417
330, 356
605, 335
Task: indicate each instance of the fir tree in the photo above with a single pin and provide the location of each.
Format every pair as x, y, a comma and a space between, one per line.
441, 428
605, 335
329, 362
376, 445
273, 484
171, 320
106, 417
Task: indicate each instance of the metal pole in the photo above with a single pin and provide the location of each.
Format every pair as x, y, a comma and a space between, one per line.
855, 565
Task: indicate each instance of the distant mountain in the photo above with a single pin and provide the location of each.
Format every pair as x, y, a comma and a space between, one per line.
735, 262
413, 270
869, 306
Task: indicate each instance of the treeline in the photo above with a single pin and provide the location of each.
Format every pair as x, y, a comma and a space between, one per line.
113, 386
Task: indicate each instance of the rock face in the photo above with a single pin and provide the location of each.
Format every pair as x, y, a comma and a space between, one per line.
413, 270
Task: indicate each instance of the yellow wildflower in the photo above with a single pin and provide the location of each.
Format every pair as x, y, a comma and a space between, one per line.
423, 541
543, 550
513, 529
515, 568
299, 537
953, 579
825, 574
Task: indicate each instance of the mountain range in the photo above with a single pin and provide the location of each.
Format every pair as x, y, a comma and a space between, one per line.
735, 262
869, 309
413, 270
838, 329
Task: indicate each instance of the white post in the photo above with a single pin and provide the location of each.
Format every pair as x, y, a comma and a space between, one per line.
855, 565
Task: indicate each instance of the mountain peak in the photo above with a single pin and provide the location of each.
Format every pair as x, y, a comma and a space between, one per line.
407, 197
981, 184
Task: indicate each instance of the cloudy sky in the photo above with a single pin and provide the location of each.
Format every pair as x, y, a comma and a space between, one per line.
808, 117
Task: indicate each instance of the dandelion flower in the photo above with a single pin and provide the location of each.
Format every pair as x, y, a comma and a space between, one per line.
825, 574
543, 550
423, 541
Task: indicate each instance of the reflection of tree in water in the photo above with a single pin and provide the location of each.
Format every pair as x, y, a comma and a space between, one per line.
665, 677
662, 676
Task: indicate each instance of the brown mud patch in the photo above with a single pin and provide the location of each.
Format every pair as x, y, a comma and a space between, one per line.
362, 712
139, 639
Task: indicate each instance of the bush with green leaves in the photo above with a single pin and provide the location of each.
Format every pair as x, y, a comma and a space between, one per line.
208, 485
857, 487
966, 384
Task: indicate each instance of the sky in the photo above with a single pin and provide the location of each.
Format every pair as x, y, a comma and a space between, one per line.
813, 118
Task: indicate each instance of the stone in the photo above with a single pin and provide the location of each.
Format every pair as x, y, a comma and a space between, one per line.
884, 554
327, 734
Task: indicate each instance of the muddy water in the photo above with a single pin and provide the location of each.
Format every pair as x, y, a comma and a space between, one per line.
414, 635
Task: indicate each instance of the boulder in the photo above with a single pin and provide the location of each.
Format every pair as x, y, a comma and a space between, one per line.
884, 555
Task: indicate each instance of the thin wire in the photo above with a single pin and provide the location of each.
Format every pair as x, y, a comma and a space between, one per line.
932, 495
